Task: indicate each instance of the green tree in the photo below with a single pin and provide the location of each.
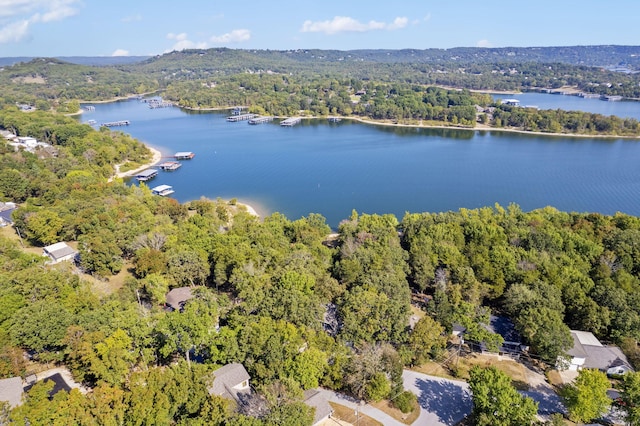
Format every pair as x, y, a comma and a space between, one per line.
631, 398
586, 399
496, 402
188, 330
426, 339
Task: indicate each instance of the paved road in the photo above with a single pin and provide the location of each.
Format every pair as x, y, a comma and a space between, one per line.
367, 409
443, 402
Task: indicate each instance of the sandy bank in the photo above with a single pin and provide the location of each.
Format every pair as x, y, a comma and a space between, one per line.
155, 158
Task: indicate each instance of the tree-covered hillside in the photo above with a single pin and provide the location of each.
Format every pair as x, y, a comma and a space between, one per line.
298, 309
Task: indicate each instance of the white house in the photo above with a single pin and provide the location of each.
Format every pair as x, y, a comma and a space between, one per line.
59, 252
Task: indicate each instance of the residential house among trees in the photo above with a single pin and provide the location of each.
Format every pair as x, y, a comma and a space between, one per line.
230, 381
59, 252
588, 352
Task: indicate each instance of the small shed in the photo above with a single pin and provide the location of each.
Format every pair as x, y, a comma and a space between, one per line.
229, 381
59, 252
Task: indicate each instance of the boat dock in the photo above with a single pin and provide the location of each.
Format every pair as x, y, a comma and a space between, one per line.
260, 119
334, 119
290, 122
168, 166
184, 155
159, 104
91, 122
162, 190
241, 117
89, 108
238, 110
116, 123
146, 175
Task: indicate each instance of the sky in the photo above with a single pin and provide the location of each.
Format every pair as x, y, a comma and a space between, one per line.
150, 27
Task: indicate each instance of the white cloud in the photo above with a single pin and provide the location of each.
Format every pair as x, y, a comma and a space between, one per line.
235, 36
340, 24
183, 42
398, 23
14, 32
120, 52
179, 37
19, 15
483, 43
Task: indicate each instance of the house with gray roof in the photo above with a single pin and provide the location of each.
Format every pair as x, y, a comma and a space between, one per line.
313, 398
59, 252
588, 352
230, 381
177, 297
11, 391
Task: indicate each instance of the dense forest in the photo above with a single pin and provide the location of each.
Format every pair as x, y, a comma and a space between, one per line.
296, 308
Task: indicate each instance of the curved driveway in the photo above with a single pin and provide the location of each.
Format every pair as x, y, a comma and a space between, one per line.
443, 402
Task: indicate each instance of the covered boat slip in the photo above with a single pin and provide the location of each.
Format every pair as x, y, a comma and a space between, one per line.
146, 175
162, 190
184, 155
169, 165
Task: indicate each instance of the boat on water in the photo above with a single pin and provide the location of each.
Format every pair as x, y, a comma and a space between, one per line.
162, 190
184, 155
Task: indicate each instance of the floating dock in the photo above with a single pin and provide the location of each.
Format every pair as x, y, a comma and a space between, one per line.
260, 120
116, 123
168, 166
91, 122
162, 190
146, 175
241, 117
290, 122
89, 108
334, 119
184, 155
153, 104
238, 110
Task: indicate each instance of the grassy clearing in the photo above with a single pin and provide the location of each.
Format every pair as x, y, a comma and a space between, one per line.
392, 411
461, 368
346, 414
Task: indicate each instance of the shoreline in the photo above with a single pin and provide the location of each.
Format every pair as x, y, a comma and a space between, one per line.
156, 156
484, 128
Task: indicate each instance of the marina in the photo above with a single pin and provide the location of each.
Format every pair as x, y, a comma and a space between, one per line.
290, 122
168, 166
115, 123
162, 190
332, 169
241, 117
184, 155
260, 120
146, 175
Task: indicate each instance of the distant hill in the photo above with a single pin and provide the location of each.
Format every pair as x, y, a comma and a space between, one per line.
606, 56
96, 61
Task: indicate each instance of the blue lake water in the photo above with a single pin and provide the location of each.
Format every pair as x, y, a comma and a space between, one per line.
318, 167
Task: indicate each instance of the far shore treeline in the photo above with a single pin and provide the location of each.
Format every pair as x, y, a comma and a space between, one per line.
386, 86
296, 307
